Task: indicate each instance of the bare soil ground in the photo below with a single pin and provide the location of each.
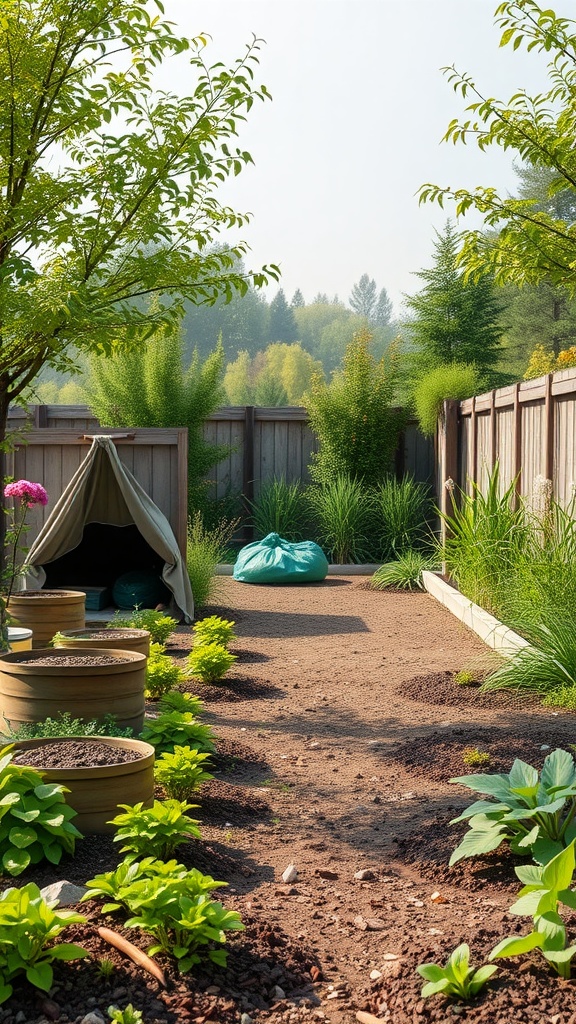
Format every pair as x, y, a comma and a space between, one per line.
340, 726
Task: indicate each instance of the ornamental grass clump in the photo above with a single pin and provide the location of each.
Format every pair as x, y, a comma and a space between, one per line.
181, 772
206, 548
279, 508
342, 511
209, 662
213, 629
403, 511
405, 573
35, 820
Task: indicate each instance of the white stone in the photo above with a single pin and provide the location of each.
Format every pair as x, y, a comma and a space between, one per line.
64, 893
290, 874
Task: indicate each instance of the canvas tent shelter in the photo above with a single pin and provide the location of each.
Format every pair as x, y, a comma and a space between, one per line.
103, 525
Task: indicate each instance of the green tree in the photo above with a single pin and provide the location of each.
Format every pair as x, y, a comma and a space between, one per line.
107, 186
282, 326
383, 311
297, 300
527, 242
364, 297
148, 387
237, 382
454, 319
352, 416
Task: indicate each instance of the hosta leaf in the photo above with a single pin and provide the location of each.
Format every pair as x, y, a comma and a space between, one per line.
477, 842
559, 956
68, 951
22, 837
433, 987
491, 785
544, 850
528, 904
16, 861
558, 770
527, 840
40, 975
430, 972
568, 898
523, 778
557, 874
529, 874
514, 946
487, 807
552, 927
481, 976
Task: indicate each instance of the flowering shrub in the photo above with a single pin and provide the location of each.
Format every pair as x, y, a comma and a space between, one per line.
25, 495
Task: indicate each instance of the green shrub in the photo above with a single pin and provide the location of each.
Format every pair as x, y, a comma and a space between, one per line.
352, 416
342, 511
213, 630
28, 928
403, 510
170, 903
159, 625
206, 548
209, 662
162, 673
65, 725
405, 573
154, 831
181, 772
279, 508
35, 820
454, 380
173, 728
185, 703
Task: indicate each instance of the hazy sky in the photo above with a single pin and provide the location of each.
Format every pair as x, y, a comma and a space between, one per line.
359, 108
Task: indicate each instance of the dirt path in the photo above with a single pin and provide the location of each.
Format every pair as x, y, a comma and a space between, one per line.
348, 696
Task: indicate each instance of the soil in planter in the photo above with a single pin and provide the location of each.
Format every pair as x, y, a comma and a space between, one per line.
107, 634
74, 661
76, 754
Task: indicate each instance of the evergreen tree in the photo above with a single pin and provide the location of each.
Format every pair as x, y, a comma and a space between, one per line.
297, 300
454, 320
320, 299
363, 297
282, 323
383, 310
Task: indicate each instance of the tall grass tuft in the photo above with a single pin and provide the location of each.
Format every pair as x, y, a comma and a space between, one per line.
205, 549
403, 514
547, 666
342, 510
405, 573
486, 540
279, 508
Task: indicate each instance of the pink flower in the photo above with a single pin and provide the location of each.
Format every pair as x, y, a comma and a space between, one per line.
29, 493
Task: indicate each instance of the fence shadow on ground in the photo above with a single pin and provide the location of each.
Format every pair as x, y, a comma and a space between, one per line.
287, 624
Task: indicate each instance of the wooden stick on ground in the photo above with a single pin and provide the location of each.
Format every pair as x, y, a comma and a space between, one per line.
137, 955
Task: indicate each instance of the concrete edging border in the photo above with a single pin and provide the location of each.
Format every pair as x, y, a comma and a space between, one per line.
493, 632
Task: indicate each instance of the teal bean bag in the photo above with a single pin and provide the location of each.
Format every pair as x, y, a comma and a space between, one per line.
273, 560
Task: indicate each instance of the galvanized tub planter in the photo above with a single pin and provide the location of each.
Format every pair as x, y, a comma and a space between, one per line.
96, 791
47, 611
104, 638
91, 684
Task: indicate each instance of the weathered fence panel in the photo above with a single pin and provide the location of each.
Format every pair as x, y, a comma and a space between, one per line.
529, 428
262, 443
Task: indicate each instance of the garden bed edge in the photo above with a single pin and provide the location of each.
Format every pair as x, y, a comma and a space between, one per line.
493, 632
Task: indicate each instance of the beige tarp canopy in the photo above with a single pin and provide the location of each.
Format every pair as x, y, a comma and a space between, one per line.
103, 491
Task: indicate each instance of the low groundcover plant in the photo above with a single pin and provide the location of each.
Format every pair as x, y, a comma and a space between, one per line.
181, 772
157, 830
457, 979
213, 629
177, 728
209, 662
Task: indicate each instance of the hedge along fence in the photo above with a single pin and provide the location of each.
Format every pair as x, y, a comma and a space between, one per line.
263, 443
529, 428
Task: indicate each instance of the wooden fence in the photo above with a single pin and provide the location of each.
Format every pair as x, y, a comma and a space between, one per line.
529, 428
263, 443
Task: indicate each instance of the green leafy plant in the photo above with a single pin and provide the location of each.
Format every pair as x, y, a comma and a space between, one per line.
536, 814
159, 625
170, 903
404, 573
213, 630
475, 758
209, 662
465, 678
207, 548
162, 672
544, 889
342, 512
35, 820
403, 510
28, 927
65, 725
174, 728
129, 1015
156, 830
457, 979
181, 772
185, 703
279, 508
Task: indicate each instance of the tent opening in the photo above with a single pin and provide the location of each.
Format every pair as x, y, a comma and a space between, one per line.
104, 553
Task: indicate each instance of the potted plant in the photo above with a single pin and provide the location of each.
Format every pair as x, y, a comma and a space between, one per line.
38, 684
100, 773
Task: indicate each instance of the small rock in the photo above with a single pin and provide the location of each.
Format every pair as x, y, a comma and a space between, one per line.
315, 973
20, 1017
290, 874
390, 956
437, 897
245, 1018
365, 875
64, 893
546, 746
212, 990
367, 1018
278, 992
435, 931
313, 746
375, 743
50, 1009
94, 1017
374, 975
